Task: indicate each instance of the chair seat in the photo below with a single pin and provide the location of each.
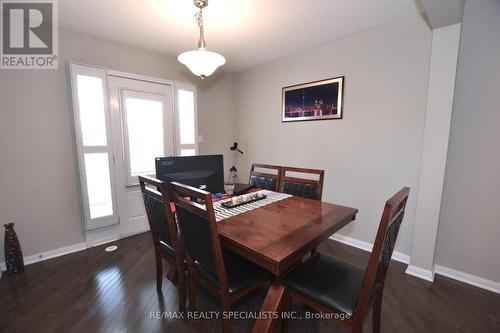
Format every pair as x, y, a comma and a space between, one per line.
328, 281
240, 272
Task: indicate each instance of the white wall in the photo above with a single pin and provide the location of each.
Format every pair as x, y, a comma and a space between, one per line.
445, 42
368, 155
469, 226
38, 176
376, 148
216, 116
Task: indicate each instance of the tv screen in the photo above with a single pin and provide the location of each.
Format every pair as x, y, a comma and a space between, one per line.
203, 171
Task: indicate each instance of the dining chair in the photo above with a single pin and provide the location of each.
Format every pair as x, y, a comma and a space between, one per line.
302, 186
163, 228
223, 273
305, 186
265, 179
330, 285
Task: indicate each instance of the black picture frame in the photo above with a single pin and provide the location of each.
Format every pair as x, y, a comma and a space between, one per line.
317, 100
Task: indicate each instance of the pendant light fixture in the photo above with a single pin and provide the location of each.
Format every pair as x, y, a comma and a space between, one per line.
201, 61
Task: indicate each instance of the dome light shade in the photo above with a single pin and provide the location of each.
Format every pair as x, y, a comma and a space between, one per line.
201, 62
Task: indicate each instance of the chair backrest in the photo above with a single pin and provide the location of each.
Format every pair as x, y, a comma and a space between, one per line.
302, 187
197, 225
263, 179
160, 217
383, 247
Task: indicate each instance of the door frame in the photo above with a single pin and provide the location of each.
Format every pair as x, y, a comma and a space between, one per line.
139, 77
99, 235
130, 224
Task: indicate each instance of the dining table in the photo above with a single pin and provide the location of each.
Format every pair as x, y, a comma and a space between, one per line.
277, 236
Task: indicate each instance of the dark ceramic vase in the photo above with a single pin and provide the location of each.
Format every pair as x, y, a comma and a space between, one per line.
13, 254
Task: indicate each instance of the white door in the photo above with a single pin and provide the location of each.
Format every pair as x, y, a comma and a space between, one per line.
142, 117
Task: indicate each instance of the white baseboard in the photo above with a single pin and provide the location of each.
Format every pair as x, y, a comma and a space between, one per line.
398, 256
51, 254
95, 239
425, 274
421, 273
104, 240
468, 278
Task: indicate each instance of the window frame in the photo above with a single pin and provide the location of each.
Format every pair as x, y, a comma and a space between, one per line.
177, 127
132, 180
102, 73
76, 69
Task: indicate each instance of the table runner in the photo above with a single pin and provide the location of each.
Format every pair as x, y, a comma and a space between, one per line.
222, 212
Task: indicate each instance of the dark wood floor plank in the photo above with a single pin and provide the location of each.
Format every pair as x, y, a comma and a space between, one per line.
97, 291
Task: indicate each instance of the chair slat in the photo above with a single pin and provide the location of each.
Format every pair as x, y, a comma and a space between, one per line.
264, 180
302, 187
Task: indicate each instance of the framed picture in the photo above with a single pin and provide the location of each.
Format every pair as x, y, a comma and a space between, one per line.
313, 101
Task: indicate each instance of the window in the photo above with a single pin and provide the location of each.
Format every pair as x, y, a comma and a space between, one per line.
188, 152
98, 185
91, 106
94, 151
186, 115
144, 132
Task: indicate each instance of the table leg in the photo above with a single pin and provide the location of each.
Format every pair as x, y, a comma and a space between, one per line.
273, 303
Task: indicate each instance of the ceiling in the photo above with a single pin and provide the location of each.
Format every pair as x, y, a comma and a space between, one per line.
246, 32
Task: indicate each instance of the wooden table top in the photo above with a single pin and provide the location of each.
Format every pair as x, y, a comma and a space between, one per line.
277, 235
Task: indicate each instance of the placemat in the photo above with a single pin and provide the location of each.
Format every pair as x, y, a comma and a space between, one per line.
222, 213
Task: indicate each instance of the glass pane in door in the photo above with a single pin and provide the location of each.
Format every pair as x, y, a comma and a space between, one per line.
145, 134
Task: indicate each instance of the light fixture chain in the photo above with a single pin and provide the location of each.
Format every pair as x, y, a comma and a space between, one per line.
199, 18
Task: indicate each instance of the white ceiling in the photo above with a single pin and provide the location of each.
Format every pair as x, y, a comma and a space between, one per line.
246, 32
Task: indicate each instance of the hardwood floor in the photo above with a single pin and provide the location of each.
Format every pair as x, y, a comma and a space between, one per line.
96, 291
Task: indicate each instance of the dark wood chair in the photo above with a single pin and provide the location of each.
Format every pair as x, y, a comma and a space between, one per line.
223, 273
165, 236
265, 180
330, 285
302, 187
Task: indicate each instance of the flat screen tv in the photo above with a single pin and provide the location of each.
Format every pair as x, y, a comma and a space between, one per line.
202, 171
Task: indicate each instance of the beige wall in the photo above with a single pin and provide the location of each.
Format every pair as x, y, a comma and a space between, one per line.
469, 225
38, 175
372, 152
216, 116
442, 72
368, 155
